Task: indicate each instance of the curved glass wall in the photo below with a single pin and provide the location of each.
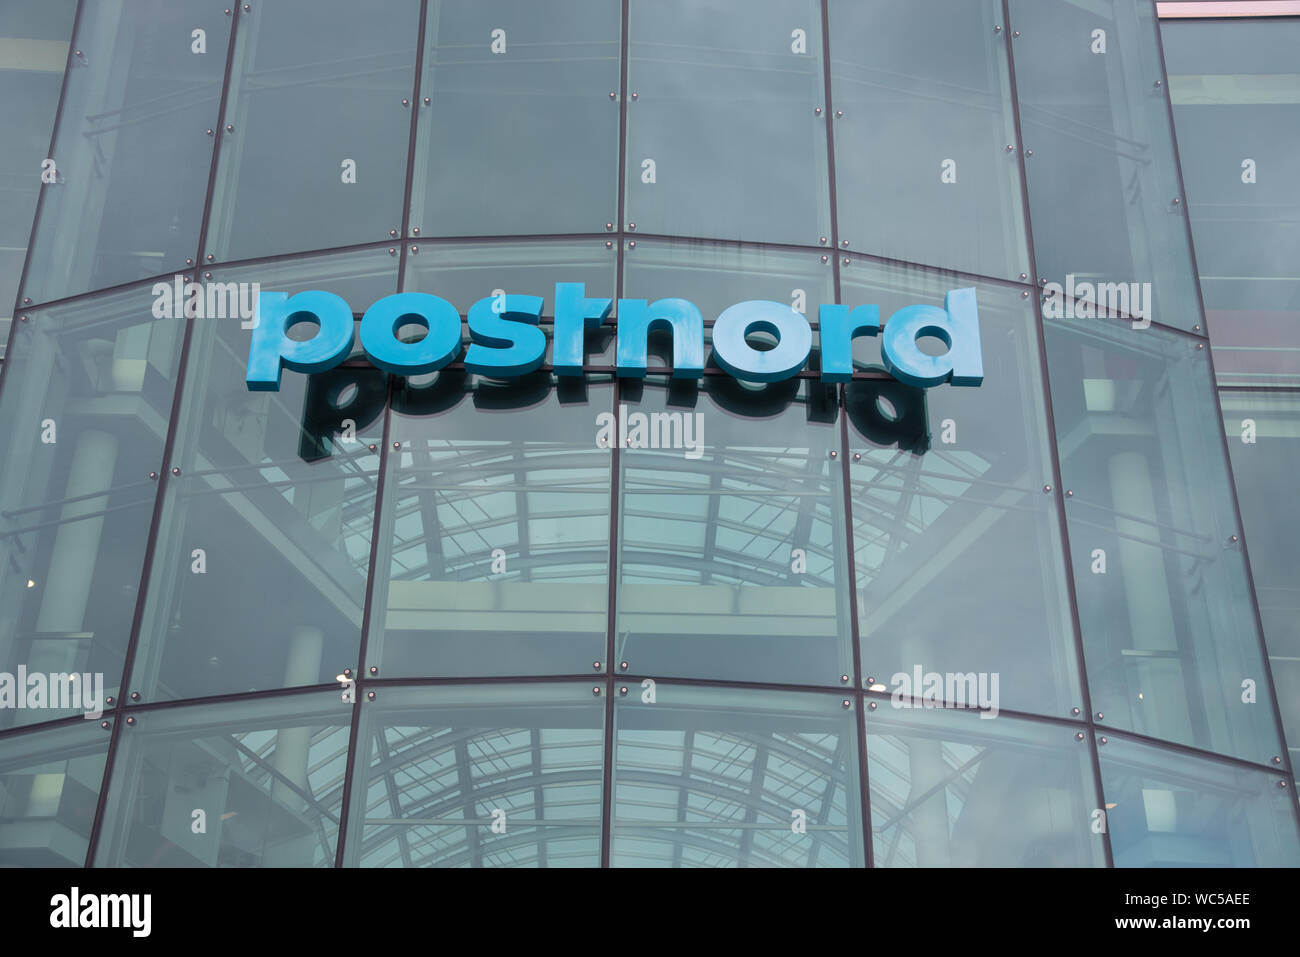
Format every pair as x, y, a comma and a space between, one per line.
578, 617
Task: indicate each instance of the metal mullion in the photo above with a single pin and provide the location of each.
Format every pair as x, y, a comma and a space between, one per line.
367, 614
1046, 391
841, 395
615, 464
169, 446
377, 522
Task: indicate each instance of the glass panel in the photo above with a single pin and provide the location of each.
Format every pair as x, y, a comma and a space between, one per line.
951, 790
732, 553
264, 776
1103, 177
35, 36
725, 777
1167, 809
715, 277
538, 75
317, 154
1169, 631
1263, 431
483, 776
122, 210
922, 167
1235, 89
464, 274
722, 135
958, 553
275, 498
49, 788
497, 511
86, 400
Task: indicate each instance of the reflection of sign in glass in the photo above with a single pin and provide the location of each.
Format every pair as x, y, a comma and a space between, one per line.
506, 341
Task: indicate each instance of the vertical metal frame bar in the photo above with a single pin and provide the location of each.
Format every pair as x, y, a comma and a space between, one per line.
169, 445
1058, 495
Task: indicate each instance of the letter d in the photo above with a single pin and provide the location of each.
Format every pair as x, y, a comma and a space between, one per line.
271, 349
957, 324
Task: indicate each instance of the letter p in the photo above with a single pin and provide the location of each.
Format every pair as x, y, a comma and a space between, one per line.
272, 350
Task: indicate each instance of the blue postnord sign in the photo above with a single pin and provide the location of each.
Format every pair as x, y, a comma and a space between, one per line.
506, 341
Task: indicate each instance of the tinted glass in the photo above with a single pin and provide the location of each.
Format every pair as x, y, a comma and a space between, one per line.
1169, 632
314, 140
722, 111
120, 210
1167, 809
521, 134
489, 776
49, 786
258, 580
731, 532
922, 169
1236, 98
86, 399
35, 36
264, 778
495, 529
1103, 176
957, 547
952, 790
1263, 430
724, 777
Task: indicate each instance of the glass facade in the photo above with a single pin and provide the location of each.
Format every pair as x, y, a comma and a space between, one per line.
581, 617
